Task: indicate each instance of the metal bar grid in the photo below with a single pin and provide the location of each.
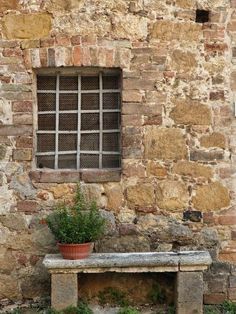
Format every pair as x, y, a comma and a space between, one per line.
57, 122
79, 123
79, 112
82, 132
100, 120
89, 91
69, 152
76, 111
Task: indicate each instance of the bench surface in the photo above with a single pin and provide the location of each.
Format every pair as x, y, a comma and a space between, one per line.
130, 262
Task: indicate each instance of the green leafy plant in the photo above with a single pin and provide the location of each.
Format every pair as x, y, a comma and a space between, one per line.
156, 295
128, 310
112, 295
82, 308
77, 223
229, 307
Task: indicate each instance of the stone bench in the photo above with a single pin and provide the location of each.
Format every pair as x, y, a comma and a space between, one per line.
187, 265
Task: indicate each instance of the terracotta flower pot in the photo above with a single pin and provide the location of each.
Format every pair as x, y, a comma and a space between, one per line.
75, 251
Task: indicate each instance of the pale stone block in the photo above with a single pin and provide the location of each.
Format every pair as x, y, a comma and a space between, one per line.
64, 290
189, 293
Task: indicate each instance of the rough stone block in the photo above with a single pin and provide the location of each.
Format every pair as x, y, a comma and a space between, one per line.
189, 289
191, 113
26, 26
64, 290
22, 154
213, 196
164, 144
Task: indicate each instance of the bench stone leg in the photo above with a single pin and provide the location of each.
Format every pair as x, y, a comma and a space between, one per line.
64, 290
189, 293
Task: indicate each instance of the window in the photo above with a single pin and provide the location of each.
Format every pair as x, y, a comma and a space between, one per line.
78, 120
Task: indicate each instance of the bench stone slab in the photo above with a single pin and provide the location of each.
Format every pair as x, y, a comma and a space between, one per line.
130, 262
188, 265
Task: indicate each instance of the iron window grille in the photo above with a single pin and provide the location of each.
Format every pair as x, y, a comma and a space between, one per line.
78, 121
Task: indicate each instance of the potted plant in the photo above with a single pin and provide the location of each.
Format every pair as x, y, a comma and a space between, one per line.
76, 226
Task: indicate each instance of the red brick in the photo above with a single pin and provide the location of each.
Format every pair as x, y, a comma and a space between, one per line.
219, 95
27, 206
215, 298
96, 176
233, 3
62, 41
22, 106
47, 42
43, 54
76, 40
55, 176
209, 218
110, 57
5, 79
232, 294
12, 52
76, 55
24, 142
227, 220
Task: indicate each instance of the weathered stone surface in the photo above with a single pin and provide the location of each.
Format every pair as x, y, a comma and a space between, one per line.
167, 31
141, 195
201, 155
156, 169
64, 291
95, 192
67, 5
110, 222
14, 222
61, 190
164, 144
183, 62
26, 26
114, 195
189, 292
8, 287
185, 4
8, 5
129, 243
172, 195
22, 185
213, 196
186, 112
213, 140
3, 151
193, 169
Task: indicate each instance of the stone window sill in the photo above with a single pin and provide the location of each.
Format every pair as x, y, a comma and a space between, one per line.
74, 176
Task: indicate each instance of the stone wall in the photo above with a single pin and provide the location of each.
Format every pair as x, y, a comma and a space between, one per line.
176, 189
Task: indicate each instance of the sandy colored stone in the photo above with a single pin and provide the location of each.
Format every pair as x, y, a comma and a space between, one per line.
172, 195
9, 287
26, 26
191, 112
168, 30
8, 5
164, 143
141, 195
156, 169
192, 169
61, 190
213, 196
114, 195
213, 140
67, 5
183, 61
185, 4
